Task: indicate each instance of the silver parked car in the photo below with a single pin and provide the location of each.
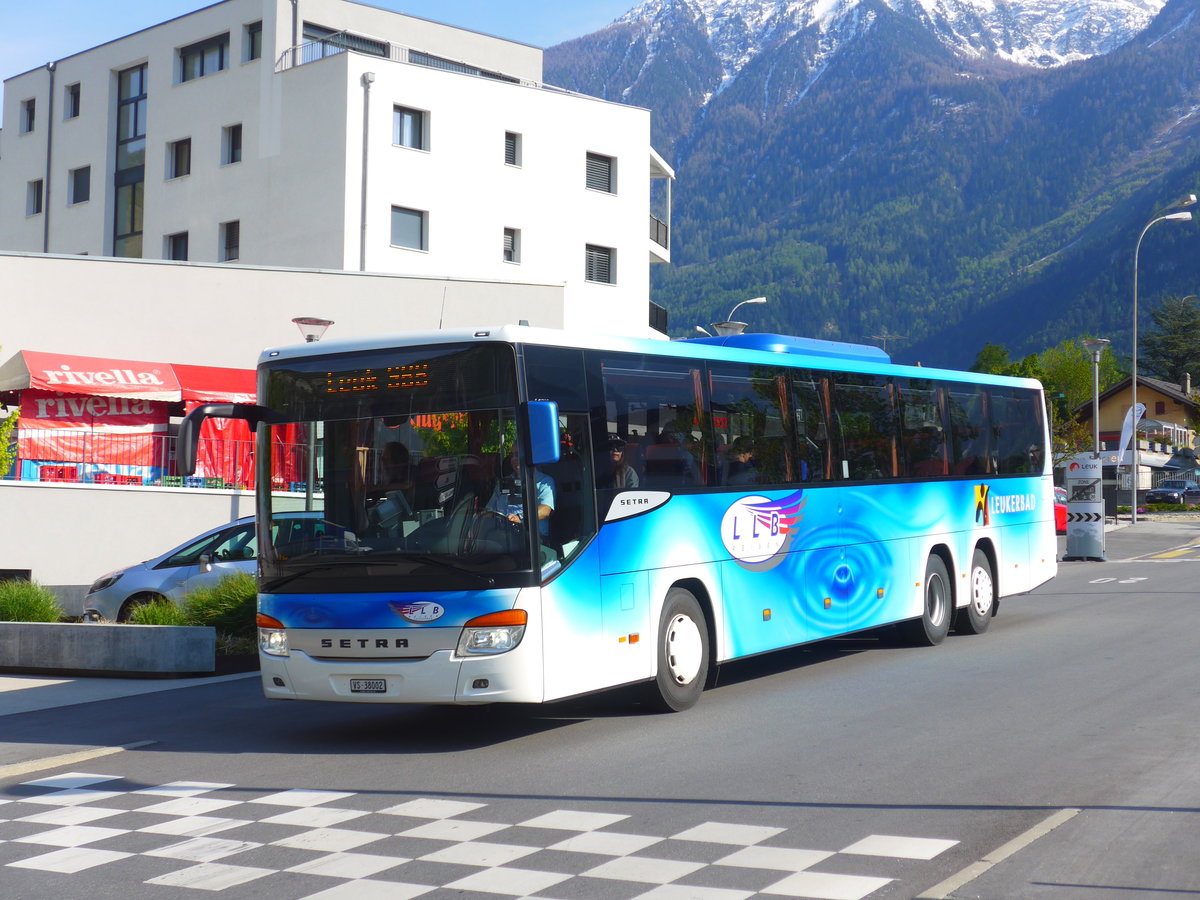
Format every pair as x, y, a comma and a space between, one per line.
202, 561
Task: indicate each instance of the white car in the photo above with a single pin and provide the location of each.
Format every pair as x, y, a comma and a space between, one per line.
202, 561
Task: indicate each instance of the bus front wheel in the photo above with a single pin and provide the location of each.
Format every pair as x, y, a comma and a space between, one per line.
934, 624
683, 653
975, 617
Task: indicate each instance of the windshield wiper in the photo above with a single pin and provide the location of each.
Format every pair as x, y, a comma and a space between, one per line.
438, 562
416, 559
332, 564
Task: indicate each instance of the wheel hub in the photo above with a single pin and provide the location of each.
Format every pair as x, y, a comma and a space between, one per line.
684, 649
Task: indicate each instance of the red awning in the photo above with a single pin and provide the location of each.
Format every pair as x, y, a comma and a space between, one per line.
126, 378
210, 384
89, 375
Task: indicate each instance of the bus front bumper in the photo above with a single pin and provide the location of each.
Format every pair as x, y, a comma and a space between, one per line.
439, 678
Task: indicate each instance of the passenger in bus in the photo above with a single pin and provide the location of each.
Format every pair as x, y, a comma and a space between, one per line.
391, 497
623, 476
508, 499
668, 463
742, 467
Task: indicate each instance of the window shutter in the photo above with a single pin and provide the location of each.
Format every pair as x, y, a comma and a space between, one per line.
599, 173
510, 148
598, 264
510, 241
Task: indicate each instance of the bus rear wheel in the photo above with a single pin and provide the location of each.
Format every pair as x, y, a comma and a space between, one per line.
975, 617
934, 624
683, 653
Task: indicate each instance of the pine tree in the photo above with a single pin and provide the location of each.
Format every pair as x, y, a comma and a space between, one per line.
1172, 350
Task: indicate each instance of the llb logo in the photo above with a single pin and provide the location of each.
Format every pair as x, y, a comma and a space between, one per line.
757, 531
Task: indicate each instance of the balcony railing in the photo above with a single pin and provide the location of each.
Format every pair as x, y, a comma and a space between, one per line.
343, 41
660, 232
82, 456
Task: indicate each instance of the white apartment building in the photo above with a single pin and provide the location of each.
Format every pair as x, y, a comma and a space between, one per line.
328, 134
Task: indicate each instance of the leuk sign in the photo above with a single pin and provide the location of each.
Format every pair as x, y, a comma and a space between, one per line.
1085, 508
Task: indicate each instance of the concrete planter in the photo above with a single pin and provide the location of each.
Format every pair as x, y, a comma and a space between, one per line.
145, 651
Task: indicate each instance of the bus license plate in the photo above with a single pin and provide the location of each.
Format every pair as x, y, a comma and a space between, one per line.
368, 686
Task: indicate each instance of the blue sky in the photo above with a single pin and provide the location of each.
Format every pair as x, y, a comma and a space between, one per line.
33, 32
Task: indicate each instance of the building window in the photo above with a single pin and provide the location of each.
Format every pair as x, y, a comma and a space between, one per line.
410, 228
409, 128
231, 241
28, 114
179, 158
600, 264
512, 148
130, 175
512, 245
79, 187
601, 173
1160, 407
231, 144
253, 41
177, 246
33, 198
71, 101
204, 58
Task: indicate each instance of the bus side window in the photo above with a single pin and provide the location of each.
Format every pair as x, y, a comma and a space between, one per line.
812, 434
968, 432
866, 415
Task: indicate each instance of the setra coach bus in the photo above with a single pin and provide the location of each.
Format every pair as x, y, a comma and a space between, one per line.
516, 514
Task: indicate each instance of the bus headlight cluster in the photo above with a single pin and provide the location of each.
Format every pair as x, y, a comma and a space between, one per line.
272, 636
494, 633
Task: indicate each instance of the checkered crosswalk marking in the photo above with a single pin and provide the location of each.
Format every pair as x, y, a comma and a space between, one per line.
217, 837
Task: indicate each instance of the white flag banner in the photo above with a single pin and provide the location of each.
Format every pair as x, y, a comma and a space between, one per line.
1127, 426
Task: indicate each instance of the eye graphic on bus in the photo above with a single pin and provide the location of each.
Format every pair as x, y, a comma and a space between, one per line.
757, 531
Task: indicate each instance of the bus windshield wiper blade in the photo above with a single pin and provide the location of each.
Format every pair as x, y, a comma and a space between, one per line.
332, 564
440, 563
375, 561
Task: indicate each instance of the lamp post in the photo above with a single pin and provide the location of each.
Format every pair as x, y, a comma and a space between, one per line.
1096, 347
729, 326
313, 329
1183, 216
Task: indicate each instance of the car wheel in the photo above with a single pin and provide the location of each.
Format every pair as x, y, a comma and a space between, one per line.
975, 617
683, 653
934, 624
134, 602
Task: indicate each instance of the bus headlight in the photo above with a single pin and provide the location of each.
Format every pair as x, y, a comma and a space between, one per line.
272, 636
494, 633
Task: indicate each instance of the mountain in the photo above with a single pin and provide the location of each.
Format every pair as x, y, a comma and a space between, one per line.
933, 174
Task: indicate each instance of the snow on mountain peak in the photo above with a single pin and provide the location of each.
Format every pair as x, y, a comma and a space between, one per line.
1039, 33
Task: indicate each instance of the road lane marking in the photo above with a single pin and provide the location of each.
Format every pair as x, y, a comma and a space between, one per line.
1020, 842
66, 759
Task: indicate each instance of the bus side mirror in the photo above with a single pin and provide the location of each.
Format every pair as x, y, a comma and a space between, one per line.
189, 428
543, 432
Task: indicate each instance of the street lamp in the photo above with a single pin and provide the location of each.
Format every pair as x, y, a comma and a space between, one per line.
729, 326
313, 329
1096, 346
1183, 216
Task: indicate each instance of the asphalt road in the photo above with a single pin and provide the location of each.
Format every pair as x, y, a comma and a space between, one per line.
1056, 756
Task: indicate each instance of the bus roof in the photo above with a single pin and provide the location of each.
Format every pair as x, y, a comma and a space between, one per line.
761, 348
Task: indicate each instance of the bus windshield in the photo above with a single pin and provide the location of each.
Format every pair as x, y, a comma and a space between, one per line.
411, 458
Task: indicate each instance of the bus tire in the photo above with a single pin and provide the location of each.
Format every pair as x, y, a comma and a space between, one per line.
683, 653
934, 624
975, 617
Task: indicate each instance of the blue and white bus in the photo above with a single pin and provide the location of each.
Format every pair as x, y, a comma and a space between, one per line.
519, 514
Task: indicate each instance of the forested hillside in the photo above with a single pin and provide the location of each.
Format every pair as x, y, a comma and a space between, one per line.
904, 191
